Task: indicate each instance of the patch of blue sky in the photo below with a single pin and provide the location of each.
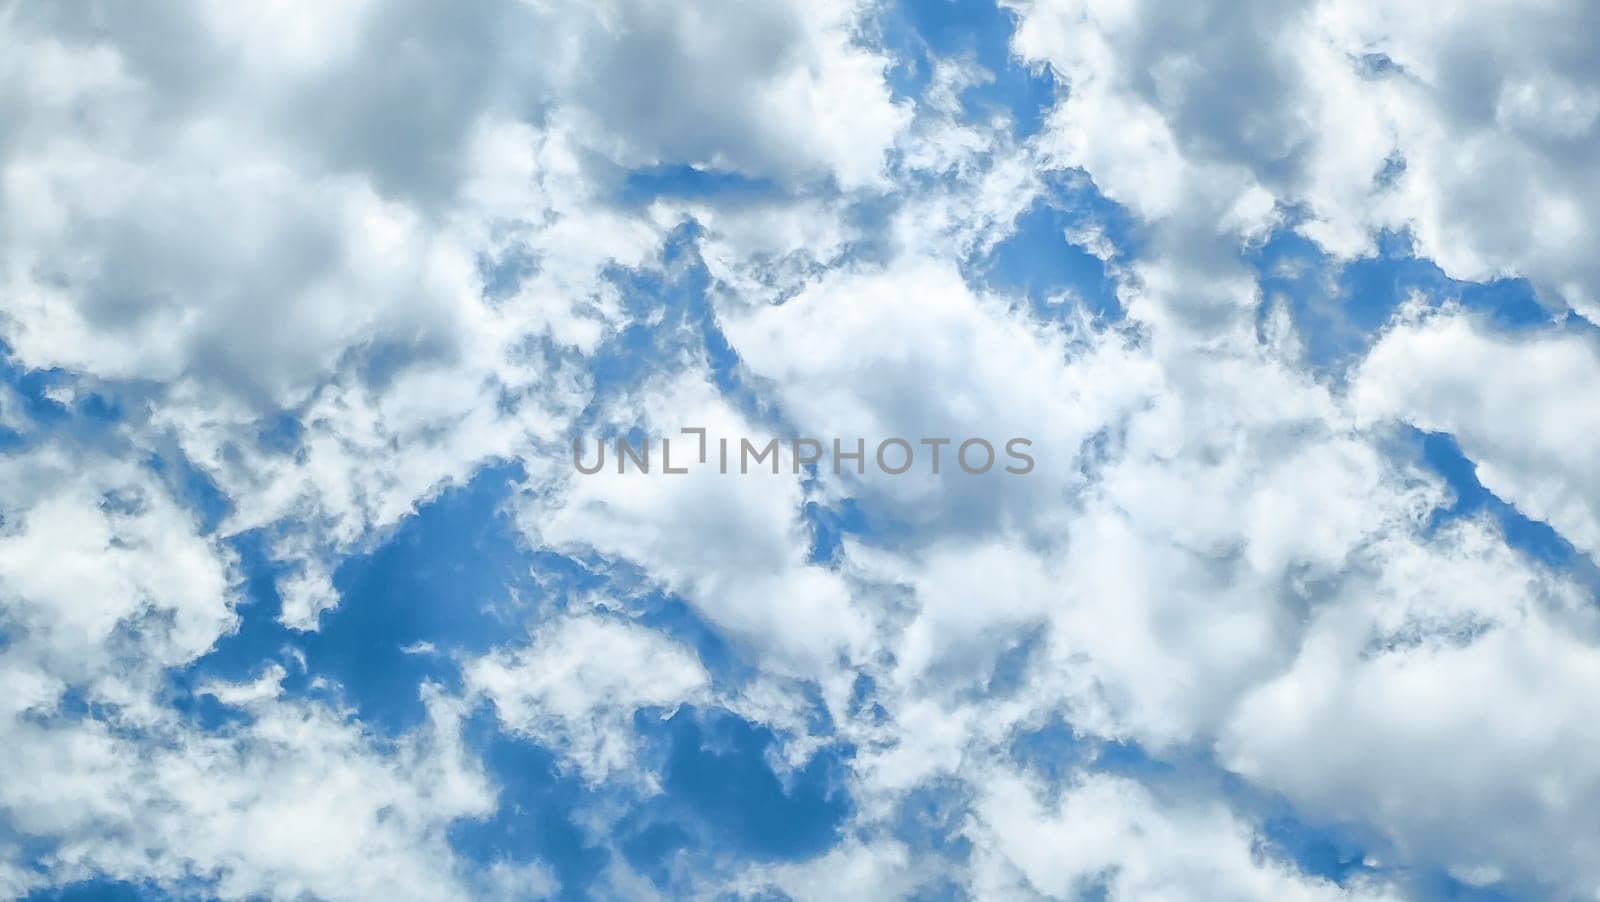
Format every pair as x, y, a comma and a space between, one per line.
1440, 453
831, 522
672, 322
33, 390
1339, 851
455, 576
1339, 310
1435, 884
504, 272
1041, 262
932, 819
534, 817
1009, 675
864, 704
30, 851
192, 487
720, 798
917, 31
55, 403
1333, 852
720, 786
442, 578
1052, 750
682, 181
257, 641
116, 891
453, 579
631, 590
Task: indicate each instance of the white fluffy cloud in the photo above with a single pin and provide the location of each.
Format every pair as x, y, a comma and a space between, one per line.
1473, 128
1443, 697
1113, 834
732, 544
780, 89
577, 685
92, 549
300, 802
912, 352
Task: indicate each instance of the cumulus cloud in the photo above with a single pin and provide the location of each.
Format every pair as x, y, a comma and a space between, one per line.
1114, 836
1464, 677
320, 265
732, 543
912, 352
1466, 128
577, 685
96, 554
781, 90
299, 802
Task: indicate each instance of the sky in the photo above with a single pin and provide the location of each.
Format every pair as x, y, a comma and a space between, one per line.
303, 307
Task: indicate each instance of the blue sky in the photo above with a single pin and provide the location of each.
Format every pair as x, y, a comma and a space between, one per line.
301, 311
